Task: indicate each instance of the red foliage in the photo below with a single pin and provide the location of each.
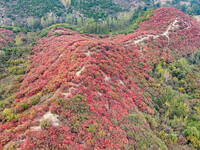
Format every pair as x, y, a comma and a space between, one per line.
7, 37
106, 72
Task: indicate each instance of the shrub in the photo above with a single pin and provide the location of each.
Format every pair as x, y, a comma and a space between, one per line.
45, 31
178, 107
16, 70
133, 117
15, 50
35, 100
182, 140
78, 104
14, 29
191, 131
56, 33
45, 124
195, 59
75, 126
141, 64
92, 128
15, 62
167, 95
180, 68
159, 71
7, 112
193, 141
172, 107
2, 104
9, 115
130, 135
24, 106
170, 138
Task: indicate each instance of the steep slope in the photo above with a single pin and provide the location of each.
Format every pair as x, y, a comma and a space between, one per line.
84, 92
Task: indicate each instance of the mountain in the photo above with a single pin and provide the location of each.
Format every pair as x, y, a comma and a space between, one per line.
83, 91
37, 14
22, 12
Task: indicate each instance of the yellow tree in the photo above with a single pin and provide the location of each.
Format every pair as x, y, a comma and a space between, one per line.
66, 2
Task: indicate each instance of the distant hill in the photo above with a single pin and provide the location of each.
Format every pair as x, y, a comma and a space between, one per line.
17, 11
42, 13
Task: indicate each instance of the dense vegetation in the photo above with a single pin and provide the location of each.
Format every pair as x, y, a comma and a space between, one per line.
96, 16
95, 8
124, 24
35, 8
134, 91
178, 104
191, 7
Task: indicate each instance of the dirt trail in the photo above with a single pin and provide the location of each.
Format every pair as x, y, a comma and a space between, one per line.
172, 26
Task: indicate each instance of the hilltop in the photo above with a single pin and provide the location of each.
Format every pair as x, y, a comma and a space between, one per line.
134, 91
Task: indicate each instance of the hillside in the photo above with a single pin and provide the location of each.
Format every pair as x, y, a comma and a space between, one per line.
24, 12
38, 14
6, 39
134, 91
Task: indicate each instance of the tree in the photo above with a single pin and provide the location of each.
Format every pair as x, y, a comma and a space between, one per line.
79, 21
66, 2
180, 68
183, 8
18, 40
70, 19
49, 19
32, 22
